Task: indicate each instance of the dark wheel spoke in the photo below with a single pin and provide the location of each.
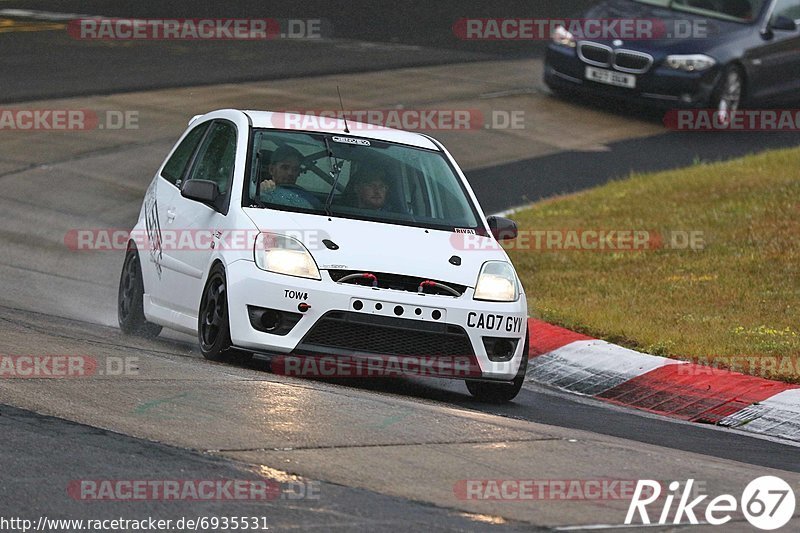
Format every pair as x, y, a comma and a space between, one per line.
128, 283
213, 320
730, 96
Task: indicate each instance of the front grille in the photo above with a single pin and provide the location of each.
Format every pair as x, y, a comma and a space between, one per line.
629, 61
595, 54
397, 282
344, 332
601, 55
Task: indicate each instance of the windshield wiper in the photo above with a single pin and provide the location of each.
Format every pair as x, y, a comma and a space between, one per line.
336, 170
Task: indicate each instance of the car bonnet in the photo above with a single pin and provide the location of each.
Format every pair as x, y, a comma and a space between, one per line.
379, 247
715, 31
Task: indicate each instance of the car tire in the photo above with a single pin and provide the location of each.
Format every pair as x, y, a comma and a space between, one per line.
558, 92
130, 299
502, 392
728, 95
213, 324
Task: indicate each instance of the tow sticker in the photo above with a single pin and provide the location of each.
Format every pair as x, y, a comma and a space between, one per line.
295, 295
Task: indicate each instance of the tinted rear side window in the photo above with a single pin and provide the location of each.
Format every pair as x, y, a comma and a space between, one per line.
175, 168
216, 159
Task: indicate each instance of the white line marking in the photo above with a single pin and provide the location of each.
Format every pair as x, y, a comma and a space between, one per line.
510, 92
620, 526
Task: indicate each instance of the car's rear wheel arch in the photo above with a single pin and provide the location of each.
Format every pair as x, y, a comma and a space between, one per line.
130, 297
214, 264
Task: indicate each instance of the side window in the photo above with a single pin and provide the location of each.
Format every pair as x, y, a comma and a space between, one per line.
216, 158
787, 8
176, 166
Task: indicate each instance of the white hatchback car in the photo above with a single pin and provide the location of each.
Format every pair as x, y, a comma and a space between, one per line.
285, 236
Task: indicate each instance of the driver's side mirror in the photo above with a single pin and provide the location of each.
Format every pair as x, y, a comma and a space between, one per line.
782, 23
204, 191
503, 229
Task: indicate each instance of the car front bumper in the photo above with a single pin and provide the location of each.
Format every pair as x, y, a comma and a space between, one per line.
383, 315
660, 86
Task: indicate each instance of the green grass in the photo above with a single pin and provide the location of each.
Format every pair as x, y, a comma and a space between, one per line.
738, 296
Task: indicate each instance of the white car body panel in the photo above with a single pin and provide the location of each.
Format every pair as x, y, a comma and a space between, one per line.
359, 240
174, 279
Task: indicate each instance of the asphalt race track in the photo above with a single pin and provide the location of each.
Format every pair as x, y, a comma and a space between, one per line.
382, 455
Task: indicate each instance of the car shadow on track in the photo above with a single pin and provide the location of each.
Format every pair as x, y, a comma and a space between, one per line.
450, 391
547, 407
622, 108
653, 114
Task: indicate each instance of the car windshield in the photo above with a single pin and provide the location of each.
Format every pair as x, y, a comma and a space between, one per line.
733, 10
374, 180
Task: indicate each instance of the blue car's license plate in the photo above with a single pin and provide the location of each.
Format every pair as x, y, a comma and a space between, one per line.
610, 77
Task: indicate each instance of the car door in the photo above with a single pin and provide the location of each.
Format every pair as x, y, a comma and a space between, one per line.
776, 62
159, 214
198, 222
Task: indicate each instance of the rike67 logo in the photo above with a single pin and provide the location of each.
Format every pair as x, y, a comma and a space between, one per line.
767, 502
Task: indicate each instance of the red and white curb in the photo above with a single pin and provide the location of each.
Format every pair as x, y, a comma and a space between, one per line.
696, 393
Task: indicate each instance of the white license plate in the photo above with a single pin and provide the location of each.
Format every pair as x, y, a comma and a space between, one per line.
610, 77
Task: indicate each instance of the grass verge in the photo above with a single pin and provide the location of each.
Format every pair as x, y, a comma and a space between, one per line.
717, 280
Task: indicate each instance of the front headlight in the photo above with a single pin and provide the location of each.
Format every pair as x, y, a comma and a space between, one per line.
284, 255
497, 282
690, 63
560, 35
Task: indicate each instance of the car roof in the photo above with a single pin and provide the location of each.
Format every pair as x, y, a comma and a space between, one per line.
315, 123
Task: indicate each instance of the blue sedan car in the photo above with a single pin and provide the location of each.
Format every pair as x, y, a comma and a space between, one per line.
736, 53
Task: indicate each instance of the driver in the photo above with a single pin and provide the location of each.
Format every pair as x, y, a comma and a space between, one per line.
280, 187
